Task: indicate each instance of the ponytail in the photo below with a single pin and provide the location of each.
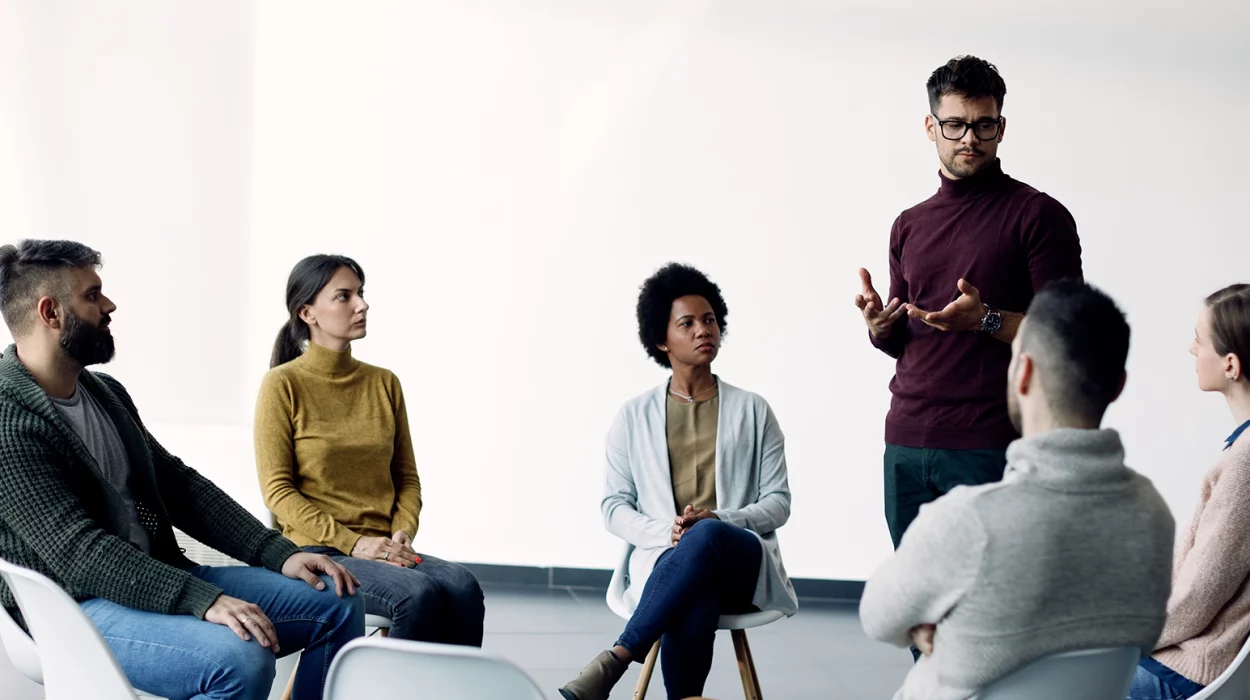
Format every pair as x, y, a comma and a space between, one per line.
289, 343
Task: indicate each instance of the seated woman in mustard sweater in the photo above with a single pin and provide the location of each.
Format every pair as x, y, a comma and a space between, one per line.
336, 463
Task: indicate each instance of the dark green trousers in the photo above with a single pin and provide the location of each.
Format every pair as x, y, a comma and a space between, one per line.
914, 477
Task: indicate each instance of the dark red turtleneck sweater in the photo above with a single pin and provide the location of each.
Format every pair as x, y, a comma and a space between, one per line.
1008, 240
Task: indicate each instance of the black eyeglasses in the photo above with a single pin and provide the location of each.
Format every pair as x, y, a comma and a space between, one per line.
984, 129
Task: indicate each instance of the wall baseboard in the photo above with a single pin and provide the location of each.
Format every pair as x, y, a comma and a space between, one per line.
562, 577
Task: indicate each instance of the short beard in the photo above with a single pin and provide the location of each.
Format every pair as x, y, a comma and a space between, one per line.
962, 170
85, 343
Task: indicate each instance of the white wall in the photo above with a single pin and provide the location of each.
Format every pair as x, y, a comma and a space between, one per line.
508, 174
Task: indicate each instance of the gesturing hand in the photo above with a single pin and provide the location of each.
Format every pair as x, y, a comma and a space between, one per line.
245, 619
963, 314
922, 637
880, 319
385, 549
303, 565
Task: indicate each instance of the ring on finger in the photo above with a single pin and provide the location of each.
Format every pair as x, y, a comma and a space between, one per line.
386, 556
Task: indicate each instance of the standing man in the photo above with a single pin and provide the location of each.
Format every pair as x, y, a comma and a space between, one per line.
964, 266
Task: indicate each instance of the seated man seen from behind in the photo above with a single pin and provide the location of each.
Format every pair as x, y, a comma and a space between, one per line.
1071, 550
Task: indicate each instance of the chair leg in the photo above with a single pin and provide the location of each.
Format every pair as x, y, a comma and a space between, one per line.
746, 666
384, 631
290, 683
648, 667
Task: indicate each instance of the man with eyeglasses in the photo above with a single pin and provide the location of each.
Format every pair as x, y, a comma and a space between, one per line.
964, 266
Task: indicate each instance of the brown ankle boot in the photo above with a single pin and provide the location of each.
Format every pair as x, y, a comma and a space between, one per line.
596, 680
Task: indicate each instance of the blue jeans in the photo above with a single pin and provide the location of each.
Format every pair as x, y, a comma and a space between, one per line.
436, 601
182, 657
712, 571
1148, 686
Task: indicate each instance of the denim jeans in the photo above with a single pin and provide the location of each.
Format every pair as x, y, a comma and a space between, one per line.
914, 477
1148, 686
712, 571
182, 657
436, 601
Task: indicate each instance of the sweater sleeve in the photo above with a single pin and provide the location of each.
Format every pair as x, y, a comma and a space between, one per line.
772, 509
1218, 564
1051, 243
620, 501
201, 509
39, 507
937, 562
406, 513
897, 342
274, 440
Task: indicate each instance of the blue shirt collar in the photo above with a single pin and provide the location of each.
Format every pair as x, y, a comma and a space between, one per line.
1236, 434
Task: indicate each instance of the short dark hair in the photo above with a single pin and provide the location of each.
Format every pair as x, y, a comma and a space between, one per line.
1230, 321
969, 77
307, 279
33, 269
1079, 338
655, 305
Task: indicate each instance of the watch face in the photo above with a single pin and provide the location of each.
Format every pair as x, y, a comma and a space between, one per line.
992, 322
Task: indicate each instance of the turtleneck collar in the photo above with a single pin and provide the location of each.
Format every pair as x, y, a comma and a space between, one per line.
325, 361
991, 178
1069, 456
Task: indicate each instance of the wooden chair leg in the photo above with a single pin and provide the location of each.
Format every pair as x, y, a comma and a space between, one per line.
290, 683
384, 631
648, 667
746, 666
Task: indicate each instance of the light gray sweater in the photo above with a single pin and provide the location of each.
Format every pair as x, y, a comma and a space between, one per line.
1071, 550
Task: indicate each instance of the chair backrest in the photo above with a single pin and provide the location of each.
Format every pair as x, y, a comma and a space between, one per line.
75, 660
616, 587
1096, 674
1233, 683
367, 667
20, 648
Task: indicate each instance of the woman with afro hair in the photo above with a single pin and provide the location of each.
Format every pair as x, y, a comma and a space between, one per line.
696, 486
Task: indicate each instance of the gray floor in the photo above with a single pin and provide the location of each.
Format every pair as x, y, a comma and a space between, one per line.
820, 653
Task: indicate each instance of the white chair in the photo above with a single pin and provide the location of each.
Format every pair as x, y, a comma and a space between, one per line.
1094, 674
66, 655
737, 624
282, 689
1233, 683
367, 668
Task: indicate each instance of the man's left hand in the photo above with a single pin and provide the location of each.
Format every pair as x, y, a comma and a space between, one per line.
963, 314
306, 566
922, 637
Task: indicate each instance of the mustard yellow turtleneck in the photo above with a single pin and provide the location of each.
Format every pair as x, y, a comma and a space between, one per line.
333, 451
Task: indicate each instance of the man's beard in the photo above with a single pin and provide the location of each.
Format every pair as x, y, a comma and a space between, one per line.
1013, 405
960, 169
85, 343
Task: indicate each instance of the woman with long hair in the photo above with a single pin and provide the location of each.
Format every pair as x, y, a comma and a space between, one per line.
336, 464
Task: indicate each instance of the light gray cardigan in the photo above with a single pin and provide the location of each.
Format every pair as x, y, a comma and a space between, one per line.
1071, 550
752, 490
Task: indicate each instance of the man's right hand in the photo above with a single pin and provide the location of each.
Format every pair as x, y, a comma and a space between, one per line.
387, 550
879, 318
245, 619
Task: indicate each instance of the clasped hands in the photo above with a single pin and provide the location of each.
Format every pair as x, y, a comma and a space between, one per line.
396, 549
686, 520
962, 314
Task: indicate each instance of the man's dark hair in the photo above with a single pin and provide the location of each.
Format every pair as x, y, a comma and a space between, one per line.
968, 77
655, 305
33, 269
1079, 339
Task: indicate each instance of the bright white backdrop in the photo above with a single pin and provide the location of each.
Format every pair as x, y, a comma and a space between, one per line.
508, 173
